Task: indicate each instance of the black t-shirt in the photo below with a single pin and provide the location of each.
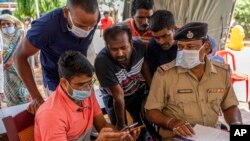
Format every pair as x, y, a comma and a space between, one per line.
156, 56
110, 73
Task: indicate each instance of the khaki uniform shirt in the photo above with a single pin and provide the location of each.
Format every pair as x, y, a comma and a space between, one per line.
178, 93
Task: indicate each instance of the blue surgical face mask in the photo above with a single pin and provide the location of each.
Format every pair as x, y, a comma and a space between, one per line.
188, 59
8, 30
80, 95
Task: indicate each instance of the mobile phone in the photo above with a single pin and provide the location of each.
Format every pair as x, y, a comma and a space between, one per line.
129, 127
137, 127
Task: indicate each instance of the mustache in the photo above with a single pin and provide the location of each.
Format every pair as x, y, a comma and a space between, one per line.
121, 58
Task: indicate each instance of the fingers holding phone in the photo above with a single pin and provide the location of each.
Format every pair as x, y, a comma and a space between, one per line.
108, 134
134, 131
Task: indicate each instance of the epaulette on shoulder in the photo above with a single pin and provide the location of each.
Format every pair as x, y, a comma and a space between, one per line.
221, 65
163, 68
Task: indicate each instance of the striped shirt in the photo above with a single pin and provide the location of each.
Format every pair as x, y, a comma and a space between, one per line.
110, 73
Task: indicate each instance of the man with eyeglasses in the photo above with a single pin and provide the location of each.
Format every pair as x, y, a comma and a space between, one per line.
72, 110
68, 28
191, 89
141, 11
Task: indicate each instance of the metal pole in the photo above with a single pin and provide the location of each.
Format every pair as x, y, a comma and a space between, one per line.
37, 9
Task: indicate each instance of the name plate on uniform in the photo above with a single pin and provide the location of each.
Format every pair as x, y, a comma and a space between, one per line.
184, 91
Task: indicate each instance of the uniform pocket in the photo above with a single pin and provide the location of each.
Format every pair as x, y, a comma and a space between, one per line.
215, 99
187, 103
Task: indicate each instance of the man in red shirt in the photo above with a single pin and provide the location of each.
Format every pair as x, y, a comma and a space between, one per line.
141, 11
72, 110
106, 22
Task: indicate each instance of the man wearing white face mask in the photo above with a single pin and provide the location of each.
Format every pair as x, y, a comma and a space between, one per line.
191, 89
63, 29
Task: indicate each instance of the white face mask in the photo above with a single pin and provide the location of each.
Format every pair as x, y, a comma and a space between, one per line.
188, 59
78, 31
8, 30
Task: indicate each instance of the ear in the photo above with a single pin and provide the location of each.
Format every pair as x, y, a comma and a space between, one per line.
63, 82
208, 47
131, 43
106, 45
65, 12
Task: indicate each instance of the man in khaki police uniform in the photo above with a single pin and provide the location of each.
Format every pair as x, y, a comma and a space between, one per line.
191, 89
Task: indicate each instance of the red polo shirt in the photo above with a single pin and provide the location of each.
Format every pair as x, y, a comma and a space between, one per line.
60, 119
145, 37
106, 22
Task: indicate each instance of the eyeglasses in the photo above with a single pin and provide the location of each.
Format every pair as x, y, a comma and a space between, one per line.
88, 85
84, 86
6, 24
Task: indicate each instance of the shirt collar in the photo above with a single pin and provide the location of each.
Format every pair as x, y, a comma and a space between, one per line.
69, 102
134, 29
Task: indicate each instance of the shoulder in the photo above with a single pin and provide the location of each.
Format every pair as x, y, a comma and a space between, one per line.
103, 58
165, 67
138, 42
220, 65
151, 42
139, 46
52, 18
102, 54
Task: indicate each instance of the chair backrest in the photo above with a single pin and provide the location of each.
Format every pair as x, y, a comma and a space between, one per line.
226, 54
20, 127
151, 128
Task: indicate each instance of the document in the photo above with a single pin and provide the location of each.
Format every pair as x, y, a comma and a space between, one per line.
205, 133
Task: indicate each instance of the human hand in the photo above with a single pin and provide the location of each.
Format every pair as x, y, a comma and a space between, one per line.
108, 134
34, 105
181, 128
8, 63
134, 133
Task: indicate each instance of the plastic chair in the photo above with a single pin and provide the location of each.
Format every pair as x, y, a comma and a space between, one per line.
20, 127
235, 76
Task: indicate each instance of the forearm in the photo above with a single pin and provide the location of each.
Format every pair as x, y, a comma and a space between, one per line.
232, 115
158, 118
25, 73
100, 122
119, 107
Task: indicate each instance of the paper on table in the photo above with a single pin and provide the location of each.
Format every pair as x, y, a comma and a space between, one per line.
205, 133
